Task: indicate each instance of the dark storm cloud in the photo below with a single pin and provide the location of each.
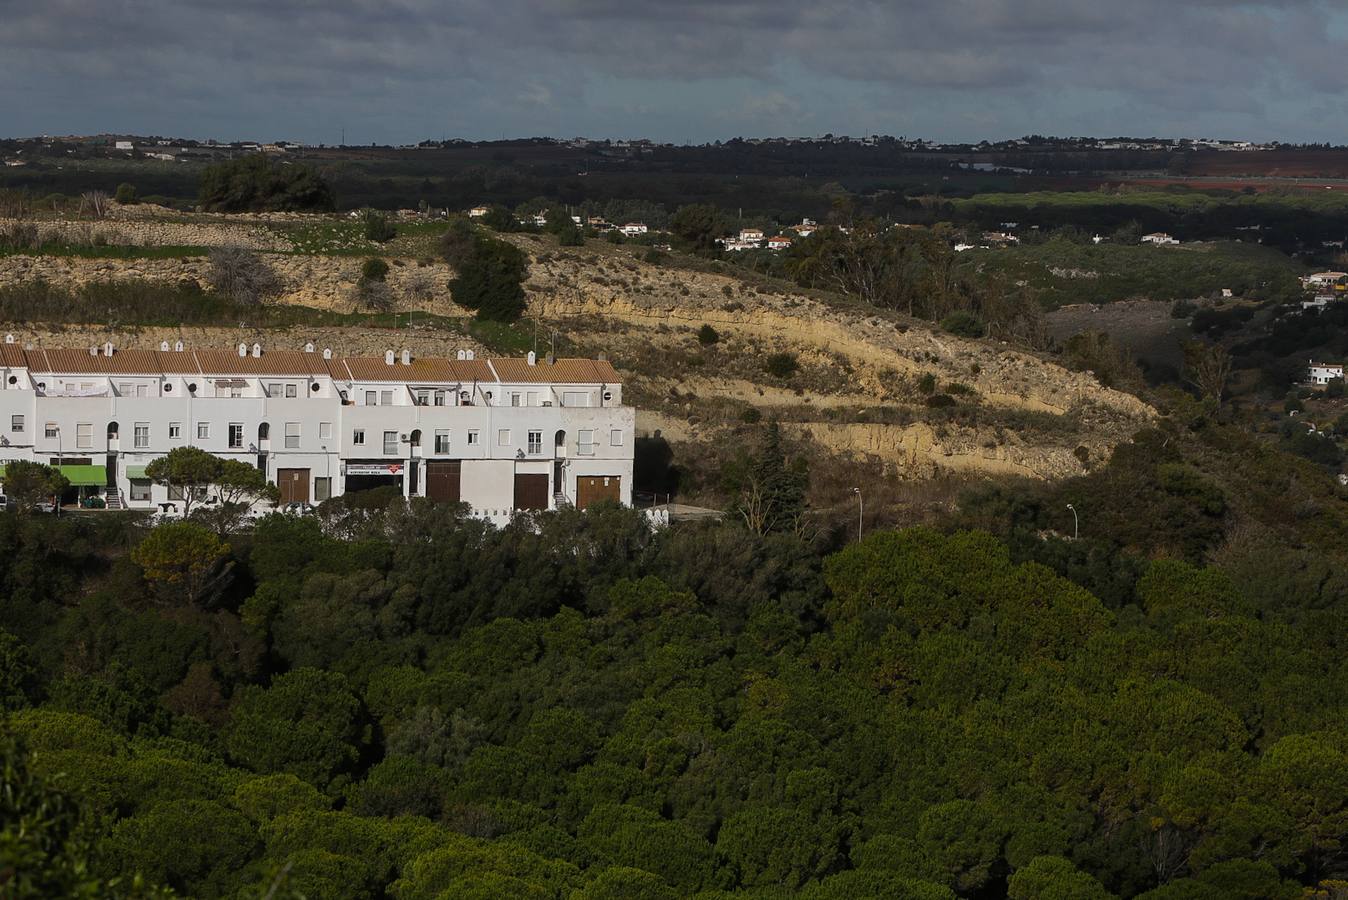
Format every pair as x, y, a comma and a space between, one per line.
412, 68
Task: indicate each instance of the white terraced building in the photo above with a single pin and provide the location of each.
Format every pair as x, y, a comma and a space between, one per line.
498, 434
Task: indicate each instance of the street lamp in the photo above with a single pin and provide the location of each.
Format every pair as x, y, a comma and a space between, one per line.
861, 510
1076, 529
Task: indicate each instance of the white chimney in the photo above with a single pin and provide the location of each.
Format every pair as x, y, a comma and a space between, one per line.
533, 358
461, 355
469, 354
9, 339
309, 347
243, 349
388, 357
107, 349
178, 346
163, 346
327, 353
257, 350
93, 351
407, 357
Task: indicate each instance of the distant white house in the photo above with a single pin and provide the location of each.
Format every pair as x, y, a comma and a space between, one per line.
633, 229
1000, 237
1319, 301
599, 223
1324, 279
1323, 373
751, 235
478, 212
780, 242
124, 145
1158, 238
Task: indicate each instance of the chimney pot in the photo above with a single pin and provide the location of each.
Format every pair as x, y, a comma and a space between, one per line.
533, 358
243, 349
257, 350
163, 346
388, 357
407, 357
178, 346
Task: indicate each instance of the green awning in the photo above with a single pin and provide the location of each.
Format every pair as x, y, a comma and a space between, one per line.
85, 476
79, 476
136, 473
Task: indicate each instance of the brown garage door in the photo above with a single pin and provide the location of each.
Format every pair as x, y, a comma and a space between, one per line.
593, 488
294, 485
443, 479
531, 491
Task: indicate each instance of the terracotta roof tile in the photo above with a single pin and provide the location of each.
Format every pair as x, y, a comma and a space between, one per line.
431, 370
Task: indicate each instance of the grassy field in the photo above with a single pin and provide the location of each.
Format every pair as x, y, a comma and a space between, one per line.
347, 238
109, 251
1060, 272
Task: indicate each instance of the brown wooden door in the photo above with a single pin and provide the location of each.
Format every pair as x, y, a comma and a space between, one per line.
443, 480
531, 491
294, 485
593, 488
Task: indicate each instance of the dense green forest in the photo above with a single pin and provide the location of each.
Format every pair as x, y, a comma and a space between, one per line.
404, 702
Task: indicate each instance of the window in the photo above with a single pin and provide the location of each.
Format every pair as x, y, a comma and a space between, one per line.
16, 423
371, 398
503, 437
175, 431
535, 442
439, 398
575, 398
51, 431
324, 431
358, 436
235, 435
274, 389
322, 489
292, 391
84, 436
615, 437
391, 443
423, 398
292, 435
585, 442
203, 431
140, 435
442, 442
140, 489
473, 437
126, 389
514, 399
386, 398
532, 399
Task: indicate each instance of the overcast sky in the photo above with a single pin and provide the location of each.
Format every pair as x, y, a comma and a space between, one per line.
394, 71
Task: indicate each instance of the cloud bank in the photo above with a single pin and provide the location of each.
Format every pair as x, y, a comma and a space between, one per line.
401, 70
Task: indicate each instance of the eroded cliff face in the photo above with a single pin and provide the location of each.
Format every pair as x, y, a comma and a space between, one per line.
601, 295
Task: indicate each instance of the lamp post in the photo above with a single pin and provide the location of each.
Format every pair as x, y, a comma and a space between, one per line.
1076, 529
861, 510
60, 456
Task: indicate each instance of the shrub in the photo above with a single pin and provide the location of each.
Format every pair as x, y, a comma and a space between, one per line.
940, 401
126, 194
374, 269
751, 416
964, 324
706, 336
241, 275
570, 237
655, 257
927, 383
781, 365
256, 184
377, 227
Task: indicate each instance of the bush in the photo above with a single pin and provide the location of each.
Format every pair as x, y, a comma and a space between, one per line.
927, 383
940, 401
781, 365
570, 237
751, 416
964, 324
377, 227
491, 274
256, 184
374, 269
241, 275
126, 194
706, 336
1182, 309
655, 257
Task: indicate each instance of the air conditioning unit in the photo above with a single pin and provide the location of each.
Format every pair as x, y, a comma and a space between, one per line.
547, 402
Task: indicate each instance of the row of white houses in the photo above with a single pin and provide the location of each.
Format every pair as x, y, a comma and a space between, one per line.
499, 434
